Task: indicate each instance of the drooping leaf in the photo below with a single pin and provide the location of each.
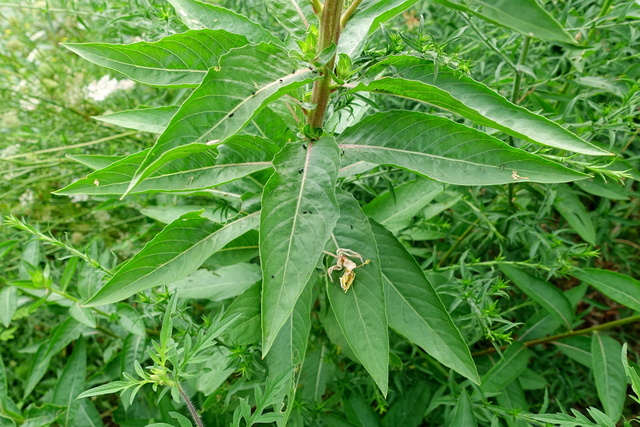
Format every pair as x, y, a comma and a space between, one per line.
415, 310
463, 412
197, 15
619, 287
71, 384
294, 15
361, 311
514, 361
367, 19
542, 292
230, 95
4, 389
572, 209
8, 304
133, 350
608, 371
153, 120
577, 348
524, 16
299, 210
180, 60
174, 253
223, 283
395, 210
290, 347
83, 315
59, 338
445, 151
112, 387
418, 79
239, 156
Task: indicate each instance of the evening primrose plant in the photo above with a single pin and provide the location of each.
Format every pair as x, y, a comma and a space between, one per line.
266, 167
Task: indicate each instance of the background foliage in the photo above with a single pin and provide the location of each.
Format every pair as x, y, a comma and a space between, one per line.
512, 263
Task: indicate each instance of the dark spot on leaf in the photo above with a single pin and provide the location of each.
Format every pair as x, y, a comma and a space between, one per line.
304, 146
280, 80
273, 277
300, 170
231, 115
351, 226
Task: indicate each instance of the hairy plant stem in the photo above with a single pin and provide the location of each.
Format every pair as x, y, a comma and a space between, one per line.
329, 33
564, 335
192, 409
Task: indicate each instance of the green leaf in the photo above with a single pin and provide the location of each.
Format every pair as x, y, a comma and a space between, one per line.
524, 16
197, 15
299, 210
294, 15
290, 347
368, 17
180, 60
445, 151
174, 253
59, 338
548, 296
153, 120
572, 209
8, 304
415, 310
361, 311
133, 350
514, 361
112, 387
83, 315
239, 156
407, 410
631, 372
4, 389
619, 287
418, 79
246, 329
71, 383
94, 161
247, 79
608, 371
223, 283
599, 187
576, 348
463, 412
395, 210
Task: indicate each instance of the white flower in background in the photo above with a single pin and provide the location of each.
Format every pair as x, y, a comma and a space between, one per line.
99, 90
9, 151
27, 198
33, 55
29, 103
77, 198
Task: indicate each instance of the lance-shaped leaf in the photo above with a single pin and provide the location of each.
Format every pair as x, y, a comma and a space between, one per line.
361, 311
180, 60
445, 151
524, 16
418, 79
239, 156
367, 19
197, 15
248, 79
619, 287
71, 384
299, 210
294, 15
514, 361
415, 310
608, 371
542, 292
290, 347
154, 120
173, 254
572, 209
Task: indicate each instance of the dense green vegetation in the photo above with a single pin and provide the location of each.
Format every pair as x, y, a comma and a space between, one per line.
301, 212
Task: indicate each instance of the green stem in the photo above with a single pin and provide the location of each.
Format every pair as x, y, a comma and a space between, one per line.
349, 13
192, 409
518, 79
564, 335
317, 7
488, 43
457, 243
329, 33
